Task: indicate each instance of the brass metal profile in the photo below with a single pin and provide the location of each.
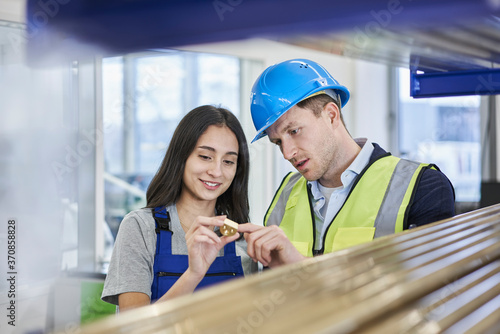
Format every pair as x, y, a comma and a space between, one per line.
432, 279
229, 228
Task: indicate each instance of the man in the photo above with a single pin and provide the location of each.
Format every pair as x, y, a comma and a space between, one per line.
347, 191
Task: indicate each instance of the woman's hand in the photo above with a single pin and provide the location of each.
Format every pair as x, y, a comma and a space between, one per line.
204, 245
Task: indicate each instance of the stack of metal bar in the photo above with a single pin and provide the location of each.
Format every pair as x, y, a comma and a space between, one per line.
441, 278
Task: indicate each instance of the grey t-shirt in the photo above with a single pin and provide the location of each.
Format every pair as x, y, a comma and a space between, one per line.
131, 266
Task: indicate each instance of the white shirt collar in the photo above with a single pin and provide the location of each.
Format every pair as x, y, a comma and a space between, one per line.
354, 169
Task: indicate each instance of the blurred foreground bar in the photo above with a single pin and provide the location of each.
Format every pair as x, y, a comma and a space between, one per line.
442, 278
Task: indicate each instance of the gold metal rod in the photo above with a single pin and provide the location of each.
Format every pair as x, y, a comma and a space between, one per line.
406, 277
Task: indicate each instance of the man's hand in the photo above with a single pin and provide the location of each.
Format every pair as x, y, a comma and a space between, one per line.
269, 245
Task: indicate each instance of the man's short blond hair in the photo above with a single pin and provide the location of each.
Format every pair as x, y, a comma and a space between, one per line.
317, 103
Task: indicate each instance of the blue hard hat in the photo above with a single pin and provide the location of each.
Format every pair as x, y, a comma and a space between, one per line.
283, 85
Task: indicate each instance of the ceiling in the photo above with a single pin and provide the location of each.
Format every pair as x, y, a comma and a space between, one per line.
431, 36
474, 44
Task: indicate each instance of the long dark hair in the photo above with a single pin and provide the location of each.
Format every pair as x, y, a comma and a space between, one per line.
165, 187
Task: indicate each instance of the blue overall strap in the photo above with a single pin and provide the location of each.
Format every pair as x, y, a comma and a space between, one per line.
230, 249
163, 244
162, 218
163, 230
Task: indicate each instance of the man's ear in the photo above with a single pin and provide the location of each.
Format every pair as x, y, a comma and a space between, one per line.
333, 113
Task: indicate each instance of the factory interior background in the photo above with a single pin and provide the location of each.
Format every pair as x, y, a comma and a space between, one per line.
82, 135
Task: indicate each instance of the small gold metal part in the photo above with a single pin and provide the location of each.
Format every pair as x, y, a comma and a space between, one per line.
229, 228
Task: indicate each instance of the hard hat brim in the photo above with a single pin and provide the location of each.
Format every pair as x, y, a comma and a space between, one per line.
341, 90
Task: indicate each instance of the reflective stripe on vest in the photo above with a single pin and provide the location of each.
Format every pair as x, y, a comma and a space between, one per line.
297, 213
385, 189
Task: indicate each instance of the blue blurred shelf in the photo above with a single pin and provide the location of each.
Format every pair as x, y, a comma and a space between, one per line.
58, 27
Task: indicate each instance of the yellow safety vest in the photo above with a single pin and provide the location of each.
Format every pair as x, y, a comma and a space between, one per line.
376, 206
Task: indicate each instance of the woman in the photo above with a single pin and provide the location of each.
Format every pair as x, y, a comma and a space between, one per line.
171, 247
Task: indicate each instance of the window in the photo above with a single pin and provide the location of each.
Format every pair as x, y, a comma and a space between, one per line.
145, 95
444, 131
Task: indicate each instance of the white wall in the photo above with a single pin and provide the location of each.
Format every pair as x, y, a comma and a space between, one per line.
31, 137
491, 144
12, 10
370, 102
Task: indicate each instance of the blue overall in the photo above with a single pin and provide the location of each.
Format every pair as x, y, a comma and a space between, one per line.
169, 267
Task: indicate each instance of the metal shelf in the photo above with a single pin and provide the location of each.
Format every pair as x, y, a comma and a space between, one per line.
455, 83
426, 35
